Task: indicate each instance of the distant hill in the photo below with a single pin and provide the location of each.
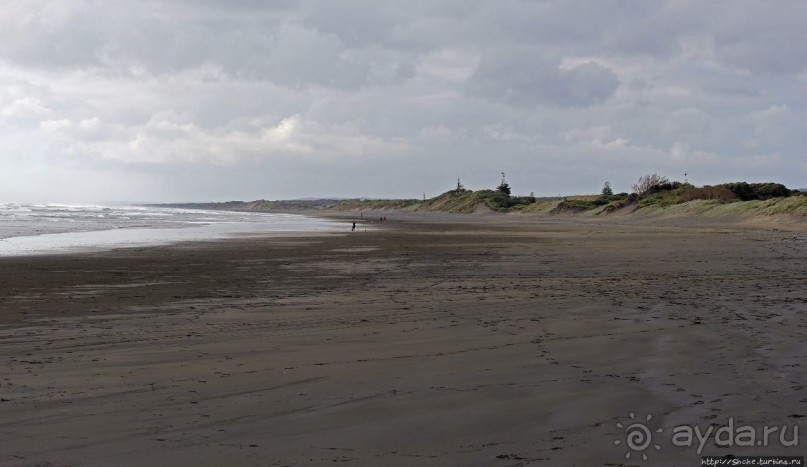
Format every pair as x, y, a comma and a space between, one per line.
670, 199
261, 205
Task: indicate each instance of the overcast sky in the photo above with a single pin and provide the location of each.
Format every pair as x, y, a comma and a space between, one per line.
245, 99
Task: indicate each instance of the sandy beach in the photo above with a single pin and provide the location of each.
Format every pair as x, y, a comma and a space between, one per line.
481, 341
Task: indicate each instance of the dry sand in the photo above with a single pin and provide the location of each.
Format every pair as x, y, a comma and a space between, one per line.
496, 341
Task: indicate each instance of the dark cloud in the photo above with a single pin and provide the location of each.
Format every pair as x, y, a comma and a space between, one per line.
527, 78
312, 95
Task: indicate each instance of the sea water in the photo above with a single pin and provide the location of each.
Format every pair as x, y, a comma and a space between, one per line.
27, 229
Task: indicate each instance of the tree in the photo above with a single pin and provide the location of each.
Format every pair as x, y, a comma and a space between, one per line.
504, 187
748, 191
460, 186
606, 190
646, 182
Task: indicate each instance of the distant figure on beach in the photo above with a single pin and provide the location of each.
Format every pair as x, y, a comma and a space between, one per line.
354, 227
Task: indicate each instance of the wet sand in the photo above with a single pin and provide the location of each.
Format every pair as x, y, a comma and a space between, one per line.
429, 342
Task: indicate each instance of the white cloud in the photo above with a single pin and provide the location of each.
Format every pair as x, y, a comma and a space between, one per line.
90, 124
437, 133
168, 138
55, 125
600, 136
501, 132
25, 107
679, 151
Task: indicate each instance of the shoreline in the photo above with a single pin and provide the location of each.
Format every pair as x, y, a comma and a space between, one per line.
105, 238
426, 342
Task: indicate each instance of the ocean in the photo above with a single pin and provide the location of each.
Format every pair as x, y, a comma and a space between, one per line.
29, 229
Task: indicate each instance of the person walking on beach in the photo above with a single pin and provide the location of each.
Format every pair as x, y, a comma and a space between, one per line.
354, 227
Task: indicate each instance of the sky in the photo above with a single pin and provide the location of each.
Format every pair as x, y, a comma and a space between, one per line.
105, 101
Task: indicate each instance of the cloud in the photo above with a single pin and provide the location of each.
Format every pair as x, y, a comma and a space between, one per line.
195, 99
600, 137
528, 78
168, 138
50, 126
763, 38
24, 107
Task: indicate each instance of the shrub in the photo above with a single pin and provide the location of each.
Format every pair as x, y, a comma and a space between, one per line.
708, 192
616, 197
577, 205
646, 182
495, 199
516, 200
770, 190
666, 186
750, 191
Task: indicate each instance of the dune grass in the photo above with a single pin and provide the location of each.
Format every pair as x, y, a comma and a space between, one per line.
795, 206
681, 200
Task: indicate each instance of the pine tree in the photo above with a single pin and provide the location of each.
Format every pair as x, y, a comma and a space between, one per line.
606, 190
504, 187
